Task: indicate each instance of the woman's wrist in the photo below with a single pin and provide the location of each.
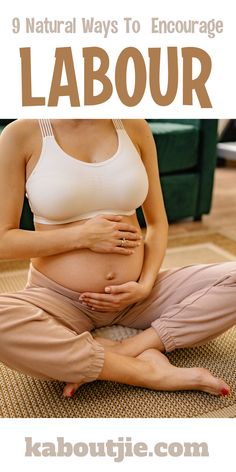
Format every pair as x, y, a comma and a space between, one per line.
76, 238
146, 288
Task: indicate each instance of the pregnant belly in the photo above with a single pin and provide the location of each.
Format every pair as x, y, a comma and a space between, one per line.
84, 270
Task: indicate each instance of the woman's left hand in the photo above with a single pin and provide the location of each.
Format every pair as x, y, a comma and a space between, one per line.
116, 297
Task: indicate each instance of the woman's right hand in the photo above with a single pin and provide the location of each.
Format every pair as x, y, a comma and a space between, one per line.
104, 233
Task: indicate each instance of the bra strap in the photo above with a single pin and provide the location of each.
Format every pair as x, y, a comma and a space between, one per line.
118, 124
46, 128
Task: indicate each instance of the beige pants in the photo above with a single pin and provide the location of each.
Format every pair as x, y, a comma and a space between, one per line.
45, 330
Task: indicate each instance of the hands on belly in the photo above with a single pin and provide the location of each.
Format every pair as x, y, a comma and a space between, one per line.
110, 234
115, 298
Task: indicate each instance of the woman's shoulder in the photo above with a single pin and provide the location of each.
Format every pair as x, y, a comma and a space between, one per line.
20, 129
18, 138
139, 131
136, 125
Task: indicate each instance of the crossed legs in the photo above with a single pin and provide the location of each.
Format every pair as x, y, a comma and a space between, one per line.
45, 335
187, 307
152, 369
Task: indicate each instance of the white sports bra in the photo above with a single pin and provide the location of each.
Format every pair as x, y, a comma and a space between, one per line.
62, 189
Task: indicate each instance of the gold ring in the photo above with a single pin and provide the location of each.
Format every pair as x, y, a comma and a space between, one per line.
123, 242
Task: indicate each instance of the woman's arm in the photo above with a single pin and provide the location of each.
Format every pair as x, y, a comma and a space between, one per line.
101, 234
14, 242
153, 208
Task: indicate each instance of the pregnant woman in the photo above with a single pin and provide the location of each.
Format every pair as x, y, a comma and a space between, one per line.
90, 266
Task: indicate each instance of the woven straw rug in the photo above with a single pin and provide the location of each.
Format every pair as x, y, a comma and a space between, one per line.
25, 397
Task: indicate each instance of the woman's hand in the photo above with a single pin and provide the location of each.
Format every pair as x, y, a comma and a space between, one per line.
116, 297
108, 234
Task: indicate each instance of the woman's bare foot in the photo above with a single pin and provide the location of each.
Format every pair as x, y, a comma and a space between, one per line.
158, 373
70, 389
172, 378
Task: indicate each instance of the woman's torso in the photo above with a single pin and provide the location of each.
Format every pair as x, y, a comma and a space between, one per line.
84, 270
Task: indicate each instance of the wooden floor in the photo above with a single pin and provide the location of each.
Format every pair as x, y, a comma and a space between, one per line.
222, 217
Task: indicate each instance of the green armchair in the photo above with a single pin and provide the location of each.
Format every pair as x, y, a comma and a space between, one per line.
187, 160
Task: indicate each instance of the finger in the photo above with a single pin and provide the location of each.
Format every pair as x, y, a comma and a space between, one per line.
70, 389
94, 296
128, 227
112, 217
130, 236
98, 306
114, 289
113, 302
104, 310
125, 243
96, 303
122, 250
103, 300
